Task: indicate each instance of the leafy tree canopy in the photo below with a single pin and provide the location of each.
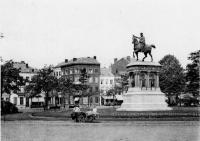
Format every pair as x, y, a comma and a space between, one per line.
172, 80
10, 78
192, 74
43, 82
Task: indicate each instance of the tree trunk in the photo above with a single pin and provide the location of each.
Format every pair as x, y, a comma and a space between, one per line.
31, 102
46, 100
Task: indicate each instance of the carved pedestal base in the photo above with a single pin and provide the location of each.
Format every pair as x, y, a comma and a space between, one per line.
144, 100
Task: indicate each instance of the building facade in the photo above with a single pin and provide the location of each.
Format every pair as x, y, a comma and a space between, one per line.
57, 72
118, 68
20, 98
72, 70
107, 82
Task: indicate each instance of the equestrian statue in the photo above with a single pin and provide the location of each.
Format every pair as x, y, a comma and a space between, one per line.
141, 46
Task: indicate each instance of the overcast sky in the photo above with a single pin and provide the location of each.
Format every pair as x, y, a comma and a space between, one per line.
48, 31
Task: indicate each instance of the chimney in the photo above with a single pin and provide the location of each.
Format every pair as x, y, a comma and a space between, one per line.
95, 57
66, 60
115, 60
74, 59
128, 58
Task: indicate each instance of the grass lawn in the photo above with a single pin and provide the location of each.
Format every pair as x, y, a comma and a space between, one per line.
180, 113
110, 113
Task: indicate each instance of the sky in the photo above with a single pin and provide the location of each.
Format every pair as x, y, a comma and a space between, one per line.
43, 32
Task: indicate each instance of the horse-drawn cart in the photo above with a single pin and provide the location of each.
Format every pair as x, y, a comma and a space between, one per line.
81, 116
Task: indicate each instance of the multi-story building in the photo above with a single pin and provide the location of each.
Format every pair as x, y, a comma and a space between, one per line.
119, 68
72, 70
107, 82
20, 98
57, 71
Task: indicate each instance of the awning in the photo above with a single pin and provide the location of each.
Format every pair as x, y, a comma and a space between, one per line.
76, 98
108, 97
119, 97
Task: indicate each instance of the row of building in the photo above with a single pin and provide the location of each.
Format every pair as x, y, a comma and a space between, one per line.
100, 81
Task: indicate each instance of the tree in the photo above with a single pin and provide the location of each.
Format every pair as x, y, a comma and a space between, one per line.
112, 92
172, 80
192, 74
83, 86
10, 78
124, 82
32, 89
43, 82
66, 87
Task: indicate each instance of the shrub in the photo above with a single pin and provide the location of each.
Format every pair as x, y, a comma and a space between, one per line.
8, 108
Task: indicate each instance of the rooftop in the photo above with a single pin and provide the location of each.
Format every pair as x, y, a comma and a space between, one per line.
24, 68
106, 72
76, 61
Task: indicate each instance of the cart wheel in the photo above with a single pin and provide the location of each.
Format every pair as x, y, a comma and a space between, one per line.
90, 118
81, 118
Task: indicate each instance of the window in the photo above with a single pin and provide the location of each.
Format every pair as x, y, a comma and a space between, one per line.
15, 100
111, 82
59, 73
90, 79
90, 70
96, 100
22, 89
76, 71
85, 100
90, 89
66, 72
96, 70
70, 71
96, 79
106, 81
76, 79
101, 81
56, 73
21, 101
96, 89
91, 100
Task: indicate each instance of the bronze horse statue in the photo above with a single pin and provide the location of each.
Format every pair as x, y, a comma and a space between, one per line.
138, 48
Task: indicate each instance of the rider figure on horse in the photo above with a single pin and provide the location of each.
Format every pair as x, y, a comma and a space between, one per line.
141, 41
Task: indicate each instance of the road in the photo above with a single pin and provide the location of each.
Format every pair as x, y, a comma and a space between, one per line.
102, 131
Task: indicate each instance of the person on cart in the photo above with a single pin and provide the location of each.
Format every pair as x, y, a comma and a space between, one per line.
76, 113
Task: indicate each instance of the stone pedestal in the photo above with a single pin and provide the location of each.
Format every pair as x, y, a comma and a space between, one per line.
144, 92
